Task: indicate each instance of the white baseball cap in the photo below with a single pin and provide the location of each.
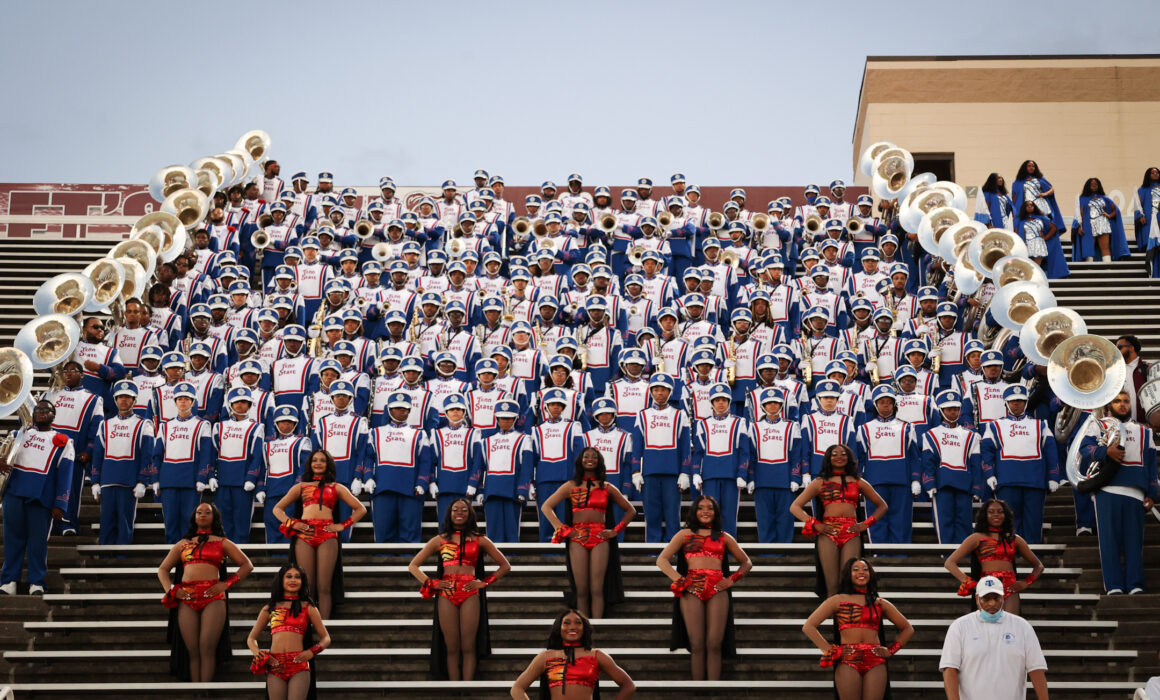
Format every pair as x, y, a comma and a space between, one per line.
989, 585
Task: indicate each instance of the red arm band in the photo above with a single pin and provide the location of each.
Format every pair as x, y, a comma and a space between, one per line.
809, 529
427, 590
870, 521
348, 523
1031, 579
231, 580
487, 581
561, 534
316, 649
619, 527
736, 576
893, 648
967, 588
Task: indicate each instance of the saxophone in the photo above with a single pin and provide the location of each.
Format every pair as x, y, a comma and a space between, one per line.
731, 372
807, 362
315, 347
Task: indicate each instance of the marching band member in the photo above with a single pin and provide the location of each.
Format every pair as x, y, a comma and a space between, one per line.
344, 354
984, 400
78, 415
721, 456
508, 464
482, 398
661, 458
454, 456
239, 442
775, 468
101, 363
343, 436
184, 454
951, 470
210, 385
40, 467
888, 452
396, 473
295, 374
285, 454
557, 443
1021, 462
122, 465
823, 428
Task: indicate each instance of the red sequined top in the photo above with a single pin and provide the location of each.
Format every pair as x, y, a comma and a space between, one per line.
702, 546
282, 621
832, 492
452, 552
991, 549
589, 497
860, 616
208, 552
311, 496
585, 671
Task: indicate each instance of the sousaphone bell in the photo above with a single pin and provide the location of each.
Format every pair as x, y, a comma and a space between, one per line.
870, 154
1086, 371
190, 206
176, 240
67, 293
935, 223
892, 170
48, 340
1016, 268
1046, 329
256, 143
138, 250
107, 277
991, 247
15, 397
1014, 304
170, 179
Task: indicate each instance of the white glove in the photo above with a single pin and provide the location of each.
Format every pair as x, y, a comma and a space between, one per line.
698, 482
1052, 485
638, 481
794, 487
915, 488
249, 486
139, 491
419, 490
369, 487
356, 488
993, 483
470, 491
213, 484
806, 479
931, 493
260, 497
750, 487
434, 490
97, 491
531, 492
742, 483
683, 482
200, 486
156, 488
522, 499
479, 499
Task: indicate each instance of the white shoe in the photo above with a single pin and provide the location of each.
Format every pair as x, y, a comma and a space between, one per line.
36, 589
8, 588
1115, 591
1134, 591
1083, 531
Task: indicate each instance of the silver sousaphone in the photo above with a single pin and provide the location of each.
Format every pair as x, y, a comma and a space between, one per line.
1014, 304
15, 397
67, 293
991, 247
1016, 268
1086, 372
935, 223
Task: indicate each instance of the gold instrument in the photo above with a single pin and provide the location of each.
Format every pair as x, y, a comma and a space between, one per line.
222, 170
665, 219
260, 240
581, 349
855, 225
1042, 333
1014, 268
107, 276
872, 360
731, 371
363, 228
866, 162
1014, 304
716, 221
508, 316
1086, 371
190, 206
415, 333
15, 397
139, 251
170, 179
813, 226
48, 342
314, 348
991, 247
68, 293
760, 223
807, 362
892, 170
607, 223
456, 247
539, 228
265, 219
546, 244
731, 259
636, 255
256, 143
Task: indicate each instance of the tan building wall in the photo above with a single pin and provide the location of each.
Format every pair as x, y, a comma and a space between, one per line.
1077, 118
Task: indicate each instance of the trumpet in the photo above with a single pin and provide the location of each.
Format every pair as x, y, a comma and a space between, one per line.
731, 371
855, 225
260, 240
760, 223
607, 223
813, 226
716, 220
363, 228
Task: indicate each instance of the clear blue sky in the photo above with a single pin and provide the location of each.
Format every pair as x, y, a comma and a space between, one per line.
727, 92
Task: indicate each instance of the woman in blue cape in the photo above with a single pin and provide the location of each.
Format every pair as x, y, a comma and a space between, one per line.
1145, 217
1097, 226
1030, 187
993, 206
1042, 239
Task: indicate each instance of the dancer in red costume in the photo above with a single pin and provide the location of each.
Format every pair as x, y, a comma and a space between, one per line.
992, 548
570, 668
290, 613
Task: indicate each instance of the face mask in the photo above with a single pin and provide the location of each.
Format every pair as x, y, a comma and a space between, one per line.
991, 617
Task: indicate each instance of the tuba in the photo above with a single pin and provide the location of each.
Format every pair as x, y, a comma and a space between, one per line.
935, 223
892, 170
68, 293
987, 250
190, 206
256, 143
170, 179
15, 397
1042, 333
175, 238
49, 341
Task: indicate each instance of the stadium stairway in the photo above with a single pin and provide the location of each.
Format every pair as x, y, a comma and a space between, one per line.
100, 631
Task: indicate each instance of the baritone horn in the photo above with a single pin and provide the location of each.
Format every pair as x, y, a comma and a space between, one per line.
814, 225
665, 219
760, 223
363, 228
260, 240
636, 255
381, 252
731, 259
855, 225
522, 226
716, 220
68, 293
607, 223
